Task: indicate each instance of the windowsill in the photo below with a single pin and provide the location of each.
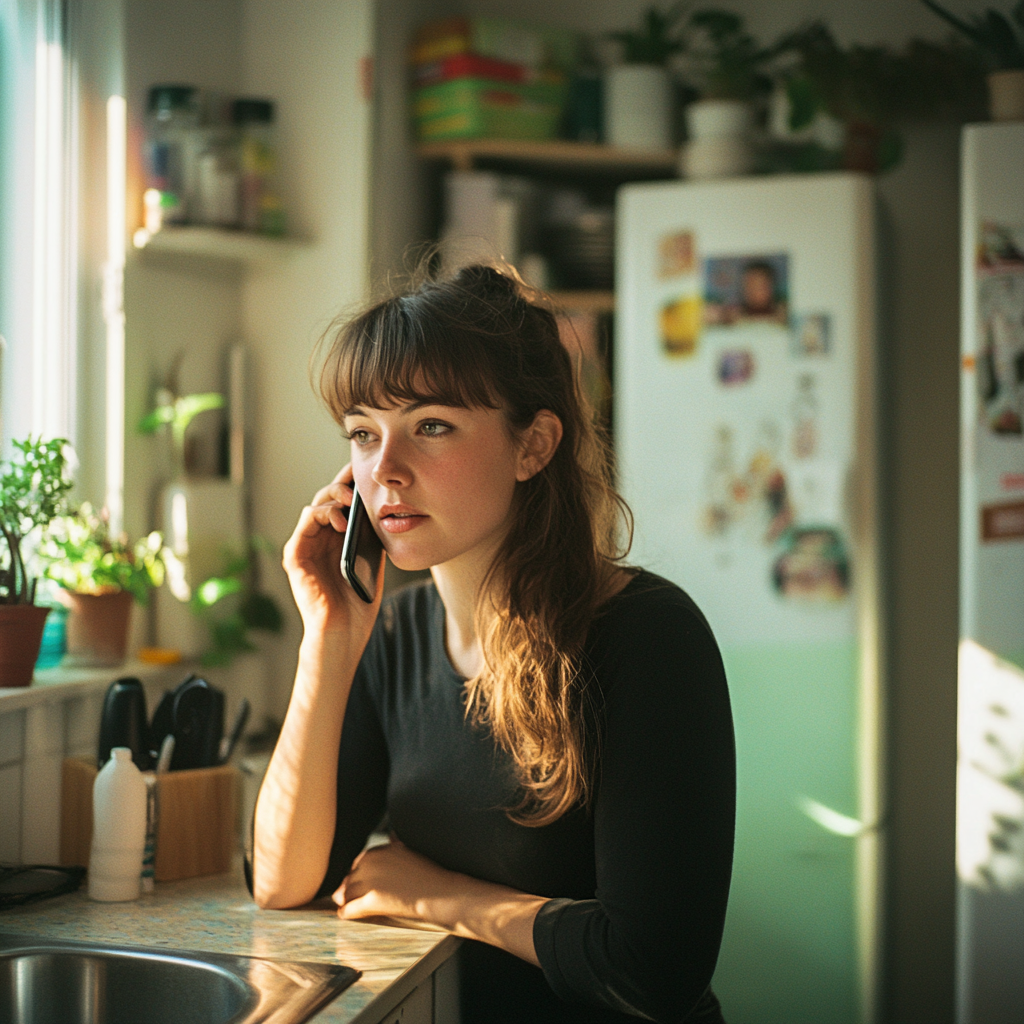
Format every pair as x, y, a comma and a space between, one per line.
60, 683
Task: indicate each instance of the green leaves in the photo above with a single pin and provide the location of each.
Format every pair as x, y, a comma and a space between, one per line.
33, 490
178, 413
991, 32
78, 552
655, 42
229, 624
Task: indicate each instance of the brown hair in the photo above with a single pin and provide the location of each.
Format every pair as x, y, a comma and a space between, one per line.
476, 340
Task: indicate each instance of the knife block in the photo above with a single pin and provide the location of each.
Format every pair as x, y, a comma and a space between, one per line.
197, 819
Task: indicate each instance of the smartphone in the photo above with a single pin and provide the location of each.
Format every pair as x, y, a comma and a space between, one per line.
360, 554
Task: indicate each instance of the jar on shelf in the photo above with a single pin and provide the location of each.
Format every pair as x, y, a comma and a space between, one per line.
172, 114
218, 180
260, 205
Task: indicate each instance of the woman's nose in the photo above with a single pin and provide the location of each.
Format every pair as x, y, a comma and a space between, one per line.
391, 468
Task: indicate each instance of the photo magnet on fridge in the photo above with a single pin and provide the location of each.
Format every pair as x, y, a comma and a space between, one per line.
812, 334
679, 323
746, 289
677, 254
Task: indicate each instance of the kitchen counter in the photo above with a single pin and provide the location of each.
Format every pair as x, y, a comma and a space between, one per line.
217, 915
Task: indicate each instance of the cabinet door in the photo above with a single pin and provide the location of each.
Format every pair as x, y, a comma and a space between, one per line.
416, 1008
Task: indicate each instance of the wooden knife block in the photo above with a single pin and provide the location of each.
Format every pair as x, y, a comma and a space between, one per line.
197, 824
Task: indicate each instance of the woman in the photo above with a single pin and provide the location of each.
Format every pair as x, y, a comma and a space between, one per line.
547, 731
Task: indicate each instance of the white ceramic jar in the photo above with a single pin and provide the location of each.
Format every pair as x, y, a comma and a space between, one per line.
118, 830
638, 107
719, 139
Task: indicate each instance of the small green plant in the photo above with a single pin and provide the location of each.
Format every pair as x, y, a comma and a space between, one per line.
33, 491
229, 623
177, 413
993, 33
723, 60
79, 554
656, 40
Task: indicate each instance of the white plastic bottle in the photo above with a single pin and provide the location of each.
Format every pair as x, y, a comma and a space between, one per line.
118, 829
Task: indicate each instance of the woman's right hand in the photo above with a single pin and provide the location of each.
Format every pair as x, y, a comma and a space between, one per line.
312, 560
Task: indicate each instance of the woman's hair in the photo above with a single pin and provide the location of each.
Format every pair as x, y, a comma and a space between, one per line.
476, 340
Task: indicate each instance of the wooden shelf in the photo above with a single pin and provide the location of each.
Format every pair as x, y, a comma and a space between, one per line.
615, 161
218, 244
583, 301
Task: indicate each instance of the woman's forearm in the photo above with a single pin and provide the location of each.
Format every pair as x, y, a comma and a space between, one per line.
295, 812
490, 913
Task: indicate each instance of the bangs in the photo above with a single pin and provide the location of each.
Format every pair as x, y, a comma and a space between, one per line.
386, 357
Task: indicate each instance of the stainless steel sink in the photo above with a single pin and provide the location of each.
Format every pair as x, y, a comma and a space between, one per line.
55, 982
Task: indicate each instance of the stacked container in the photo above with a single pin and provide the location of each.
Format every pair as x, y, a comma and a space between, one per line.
489, 78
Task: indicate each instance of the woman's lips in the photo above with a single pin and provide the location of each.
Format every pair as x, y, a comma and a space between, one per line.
400, 521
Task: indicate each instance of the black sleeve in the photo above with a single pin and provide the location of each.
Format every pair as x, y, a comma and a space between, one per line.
663, 822
363, 768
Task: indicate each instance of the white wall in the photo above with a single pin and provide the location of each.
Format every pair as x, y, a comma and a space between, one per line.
307, 57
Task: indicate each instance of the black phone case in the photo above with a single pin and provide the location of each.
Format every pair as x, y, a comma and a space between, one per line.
358, 523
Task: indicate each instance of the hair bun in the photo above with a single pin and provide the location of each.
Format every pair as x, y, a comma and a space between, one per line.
488, 282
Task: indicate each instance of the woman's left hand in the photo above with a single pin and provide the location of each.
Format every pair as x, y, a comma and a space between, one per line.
393, 881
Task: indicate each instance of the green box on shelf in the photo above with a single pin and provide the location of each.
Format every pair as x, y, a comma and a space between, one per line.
474, 108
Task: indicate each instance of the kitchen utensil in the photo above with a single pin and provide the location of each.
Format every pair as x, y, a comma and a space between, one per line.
227, 745
162, 724
213, 729
123, 722
191, 712
163, 762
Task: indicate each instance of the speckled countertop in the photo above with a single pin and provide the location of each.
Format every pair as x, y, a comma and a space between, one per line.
216, 915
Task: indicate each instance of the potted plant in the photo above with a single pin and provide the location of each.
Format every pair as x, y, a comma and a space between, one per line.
1002, 45
638, 92
725, 66
33, 490
865, 92
100, 576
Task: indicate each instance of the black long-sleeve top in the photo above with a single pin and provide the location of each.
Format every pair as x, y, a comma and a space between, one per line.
637, 885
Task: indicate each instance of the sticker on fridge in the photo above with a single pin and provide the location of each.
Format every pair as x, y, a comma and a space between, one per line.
679, 323
812, 334
677, 254
1000, 359
746, 289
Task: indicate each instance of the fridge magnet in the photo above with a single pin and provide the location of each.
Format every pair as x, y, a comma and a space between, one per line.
680, 325
804, 412
744, 289
735, 367
999, 363
812, 334
813, 565
677, 254
1003, 521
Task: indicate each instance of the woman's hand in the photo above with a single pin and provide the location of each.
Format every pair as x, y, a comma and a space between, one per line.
312, 560
396, 882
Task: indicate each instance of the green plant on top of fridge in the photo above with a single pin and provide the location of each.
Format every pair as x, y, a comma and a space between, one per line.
993, 33
79, 553
723, 60
229, 623
33, 491
657, 39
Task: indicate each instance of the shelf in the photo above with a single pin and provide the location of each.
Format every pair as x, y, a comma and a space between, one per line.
217, 244
583, 301
615, 161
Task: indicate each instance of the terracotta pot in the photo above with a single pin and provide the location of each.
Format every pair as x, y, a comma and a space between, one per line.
97, 627
1006, 95
21, 633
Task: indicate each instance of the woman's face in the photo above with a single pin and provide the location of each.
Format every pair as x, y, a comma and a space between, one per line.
437, 480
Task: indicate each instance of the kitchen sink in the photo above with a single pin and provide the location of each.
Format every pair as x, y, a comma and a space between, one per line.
43, 981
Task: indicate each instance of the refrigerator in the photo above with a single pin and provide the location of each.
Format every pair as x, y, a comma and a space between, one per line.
990, 711
746, 438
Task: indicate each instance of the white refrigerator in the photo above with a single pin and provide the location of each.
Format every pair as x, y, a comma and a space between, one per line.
990, 761
746, 434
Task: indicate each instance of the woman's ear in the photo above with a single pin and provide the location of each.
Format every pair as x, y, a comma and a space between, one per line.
538, 443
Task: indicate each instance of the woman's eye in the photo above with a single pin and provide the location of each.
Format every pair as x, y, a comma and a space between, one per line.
434, 429
360, 437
